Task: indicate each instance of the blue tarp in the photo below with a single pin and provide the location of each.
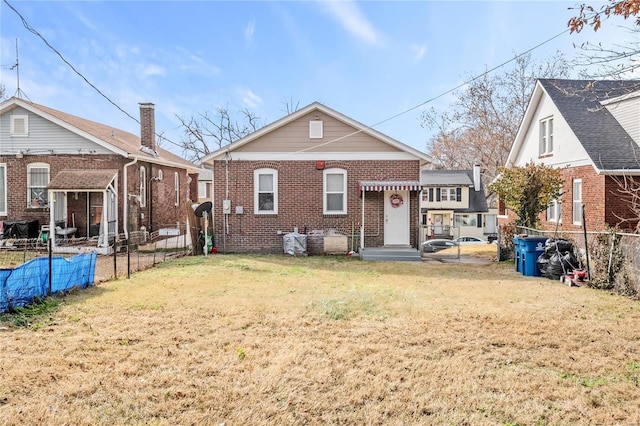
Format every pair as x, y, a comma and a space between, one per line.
20, 285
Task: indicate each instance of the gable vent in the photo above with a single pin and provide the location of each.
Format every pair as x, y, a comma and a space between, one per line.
315, 129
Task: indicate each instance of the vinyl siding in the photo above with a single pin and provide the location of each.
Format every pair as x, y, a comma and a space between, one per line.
295, 137
44, 137
628, 115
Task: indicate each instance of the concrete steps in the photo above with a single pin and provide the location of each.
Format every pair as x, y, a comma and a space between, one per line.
395, 254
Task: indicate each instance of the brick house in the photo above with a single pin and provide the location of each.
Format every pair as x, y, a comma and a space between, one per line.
70, 174
319, 172
590, 130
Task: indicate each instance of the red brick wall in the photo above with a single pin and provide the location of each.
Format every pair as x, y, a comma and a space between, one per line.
618, 210
164, 212
300, 196
601, 196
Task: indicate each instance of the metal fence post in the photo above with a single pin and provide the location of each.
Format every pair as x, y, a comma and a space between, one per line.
115, 256
50, 267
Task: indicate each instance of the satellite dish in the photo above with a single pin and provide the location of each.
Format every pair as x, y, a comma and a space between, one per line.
204, 207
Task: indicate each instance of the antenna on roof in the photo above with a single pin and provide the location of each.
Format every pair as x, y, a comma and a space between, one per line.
19, 93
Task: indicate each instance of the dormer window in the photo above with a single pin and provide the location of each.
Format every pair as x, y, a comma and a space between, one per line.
19, 125
315, 129
546, 136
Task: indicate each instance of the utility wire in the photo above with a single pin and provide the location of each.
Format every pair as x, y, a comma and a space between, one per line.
33, 30
465, 83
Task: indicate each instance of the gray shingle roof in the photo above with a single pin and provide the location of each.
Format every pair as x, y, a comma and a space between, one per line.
445, 178
608, 145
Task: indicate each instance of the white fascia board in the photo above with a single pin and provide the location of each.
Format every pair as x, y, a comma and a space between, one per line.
619, 172
538, 91
312, 156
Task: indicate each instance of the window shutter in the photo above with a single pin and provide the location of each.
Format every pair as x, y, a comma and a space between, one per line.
430, 194
437, 194
479, 221
458, 194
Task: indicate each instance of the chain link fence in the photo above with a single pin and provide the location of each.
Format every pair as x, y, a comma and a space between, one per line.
612, 258
142, 250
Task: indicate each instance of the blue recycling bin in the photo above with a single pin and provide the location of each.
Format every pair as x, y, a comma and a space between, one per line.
532, 247
517, 241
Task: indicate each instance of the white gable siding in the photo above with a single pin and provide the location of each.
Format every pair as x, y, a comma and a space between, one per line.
43, 137
567, 150
627, 112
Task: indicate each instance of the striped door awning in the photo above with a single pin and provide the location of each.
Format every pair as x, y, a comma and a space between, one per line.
390, 185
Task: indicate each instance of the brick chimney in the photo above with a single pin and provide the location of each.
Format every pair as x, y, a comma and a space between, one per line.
476, 177
147, 125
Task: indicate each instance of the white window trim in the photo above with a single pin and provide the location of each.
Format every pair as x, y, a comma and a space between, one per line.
554, 215
37, 166
3, 190
577, 203
13, 125
546, 137
324, 191
256, 190
176, 185
143, 186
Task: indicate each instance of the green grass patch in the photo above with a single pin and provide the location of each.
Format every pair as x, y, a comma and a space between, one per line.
32, 315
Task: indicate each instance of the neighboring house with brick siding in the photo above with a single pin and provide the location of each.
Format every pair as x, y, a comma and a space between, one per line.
67, 172
319, 172
589, 129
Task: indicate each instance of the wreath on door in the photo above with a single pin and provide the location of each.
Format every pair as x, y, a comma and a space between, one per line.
396, 200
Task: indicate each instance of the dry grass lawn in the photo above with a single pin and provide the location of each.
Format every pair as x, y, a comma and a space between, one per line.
241, 340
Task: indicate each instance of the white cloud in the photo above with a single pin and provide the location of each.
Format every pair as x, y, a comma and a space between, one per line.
153, 69
351, 18
249, 31
250, 99
419, 51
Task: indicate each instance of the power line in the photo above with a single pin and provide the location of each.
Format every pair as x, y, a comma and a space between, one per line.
465, 83
34, 31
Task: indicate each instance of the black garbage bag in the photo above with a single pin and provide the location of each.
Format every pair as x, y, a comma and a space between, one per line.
543, 263
555, 265
558, 245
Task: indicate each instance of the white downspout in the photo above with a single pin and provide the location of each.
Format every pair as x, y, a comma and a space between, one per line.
125, 200
362, 222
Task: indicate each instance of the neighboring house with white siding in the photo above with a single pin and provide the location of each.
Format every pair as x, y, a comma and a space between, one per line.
63, 171
454, 204
590, 129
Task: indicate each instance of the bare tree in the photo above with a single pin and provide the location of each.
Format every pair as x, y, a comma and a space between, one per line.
206, 133
486, 116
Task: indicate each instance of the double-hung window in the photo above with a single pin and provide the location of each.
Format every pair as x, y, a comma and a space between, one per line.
554, 211
577, 201
37, 181
143, 186
3, 189
335, 191
449, 194
176, 185
546, 136
265, 191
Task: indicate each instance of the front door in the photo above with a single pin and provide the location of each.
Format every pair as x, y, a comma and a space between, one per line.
396, 218
437, 224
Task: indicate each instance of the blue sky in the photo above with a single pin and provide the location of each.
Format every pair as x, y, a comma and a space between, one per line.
369, 60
